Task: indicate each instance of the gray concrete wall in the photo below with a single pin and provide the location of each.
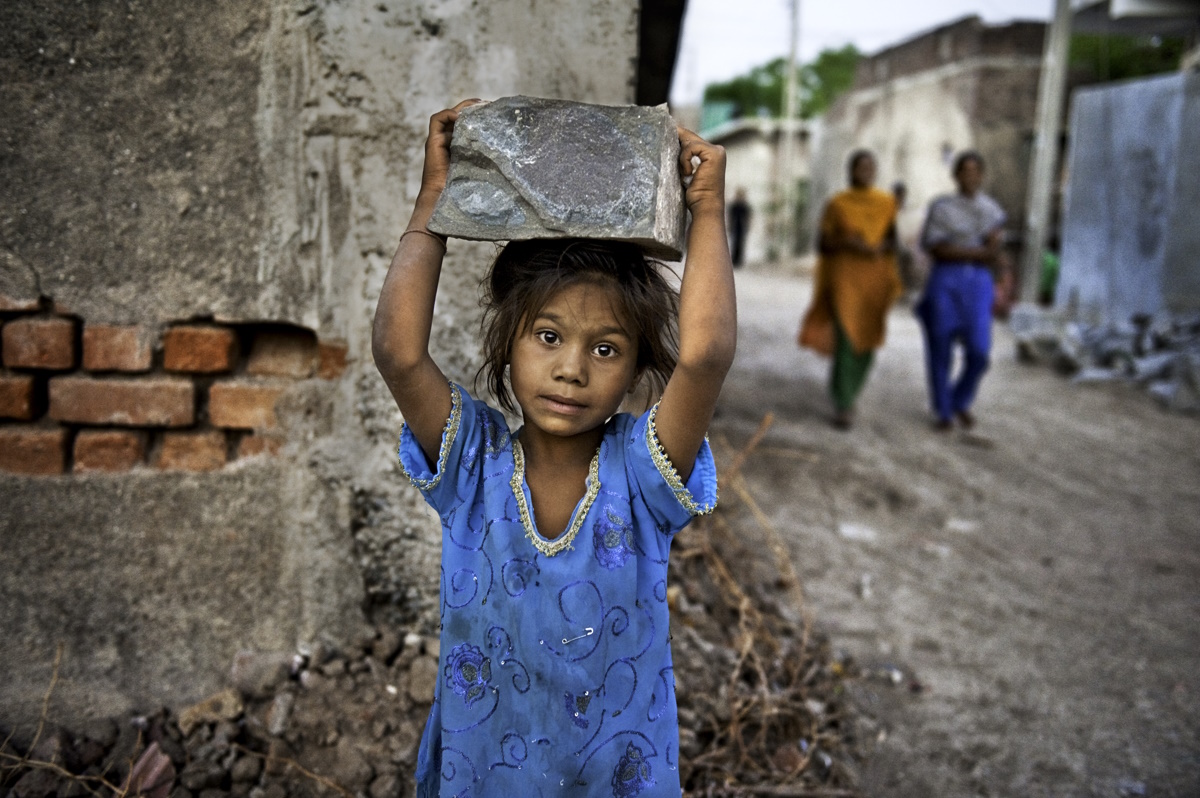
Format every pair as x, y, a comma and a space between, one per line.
251, 163
1129, 238
754, 159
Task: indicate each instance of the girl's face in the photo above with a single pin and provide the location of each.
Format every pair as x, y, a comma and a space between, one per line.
576, 361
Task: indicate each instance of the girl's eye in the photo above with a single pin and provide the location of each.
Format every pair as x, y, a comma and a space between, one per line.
605, 350
547, 336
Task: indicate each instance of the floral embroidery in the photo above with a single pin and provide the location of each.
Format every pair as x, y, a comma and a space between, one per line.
577, 706
632, 774
612, 537
495, 440
449, 433
667, 469
468, 672
563, 541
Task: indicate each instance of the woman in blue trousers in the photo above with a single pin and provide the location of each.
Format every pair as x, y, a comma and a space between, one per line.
964, 234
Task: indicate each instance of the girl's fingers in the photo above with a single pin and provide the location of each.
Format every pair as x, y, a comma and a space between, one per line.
689, 145
692, 146
444, 120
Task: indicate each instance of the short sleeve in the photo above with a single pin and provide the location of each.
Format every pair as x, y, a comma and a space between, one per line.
938, 228
997, 216
670, 501
442, 485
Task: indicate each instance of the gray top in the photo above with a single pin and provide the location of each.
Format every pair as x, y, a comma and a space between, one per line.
961, 221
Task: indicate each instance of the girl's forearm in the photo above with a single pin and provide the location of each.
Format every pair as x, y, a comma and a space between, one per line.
707, 303
404, 316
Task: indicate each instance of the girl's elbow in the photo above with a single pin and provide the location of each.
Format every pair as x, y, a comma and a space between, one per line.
713, 360
389, 358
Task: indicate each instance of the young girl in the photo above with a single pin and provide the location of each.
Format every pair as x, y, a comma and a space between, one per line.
556, 674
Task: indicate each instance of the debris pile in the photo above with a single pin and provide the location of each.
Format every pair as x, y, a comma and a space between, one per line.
763, 707
1160, 352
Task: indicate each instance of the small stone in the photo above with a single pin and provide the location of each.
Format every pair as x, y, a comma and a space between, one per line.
385, 785
525, 167
349, 768
246, 769
36, 784
422, 679
311, 680
385, 647
225, 705
201, 776
281, 710
256, 674
279, 753
335, 667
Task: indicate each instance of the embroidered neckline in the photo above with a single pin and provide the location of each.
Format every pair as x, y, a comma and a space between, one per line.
449, 433
667, 469
563, 541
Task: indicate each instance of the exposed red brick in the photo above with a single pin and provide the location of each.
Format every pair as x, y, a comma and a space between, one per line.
14, 303
291, 353
243, 405
331, 359
199, 350
39, 343
152, 402
108, 347
33, 450
259, 443
16, 396
192, 451
108, 450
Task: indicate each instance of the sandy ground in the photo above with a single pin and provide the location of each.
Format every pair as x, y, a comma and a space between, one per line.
1040, 583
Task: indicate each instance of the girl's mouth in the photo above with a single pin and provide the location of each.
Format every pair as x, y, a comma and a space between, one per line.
561, 404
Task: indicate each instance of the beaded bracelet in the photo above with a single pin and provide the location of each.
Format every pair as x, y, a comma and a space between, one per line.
441, 240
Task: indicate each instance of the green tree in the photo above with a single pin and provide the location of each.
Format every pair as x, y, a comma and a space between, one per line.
822, 80
1099, 58
761, 90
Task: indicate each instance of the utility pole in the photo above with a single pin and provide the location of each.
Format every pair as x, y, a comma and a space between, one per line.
784, 188
1043, 170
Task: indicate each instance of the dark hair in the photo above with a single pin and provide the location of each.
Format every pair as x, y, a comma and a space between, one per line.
853, 160
963, 157
526, 274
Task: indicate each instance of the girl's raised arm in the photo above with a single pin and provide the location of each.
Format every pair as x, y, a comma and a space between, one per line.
400, 339
707, 309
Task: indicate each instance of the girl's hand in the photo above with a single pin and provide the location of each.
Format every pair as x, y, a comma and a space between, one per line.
707, 189
437, 149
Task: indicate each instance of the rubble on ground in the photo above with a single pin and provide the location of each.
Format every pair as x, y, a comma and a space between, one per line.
1160, 352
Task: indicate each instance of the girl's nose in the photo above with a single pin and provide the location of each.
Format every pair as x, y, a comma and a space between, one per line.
571, 365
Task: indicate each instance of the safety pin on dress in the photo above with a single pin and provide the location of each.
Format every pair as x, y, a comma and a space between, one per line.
587, 632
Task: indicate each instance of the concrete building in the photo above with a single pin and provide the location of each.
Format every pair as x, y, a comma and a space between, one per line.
965, 85
197, 211
754, 159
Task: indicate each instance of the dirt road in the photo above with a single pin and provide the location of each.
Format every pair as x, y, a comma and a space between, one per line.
1042, 594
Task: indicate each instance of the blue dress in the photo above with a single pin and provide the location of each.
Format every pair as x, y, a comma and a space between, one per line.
555, 670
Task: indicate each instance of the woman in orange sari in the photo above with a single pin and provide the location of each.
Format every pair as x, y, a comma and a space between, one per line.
856, 283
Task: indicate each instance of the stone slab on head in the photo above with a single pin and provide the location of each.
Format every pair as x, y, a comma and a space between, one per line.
524, 167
